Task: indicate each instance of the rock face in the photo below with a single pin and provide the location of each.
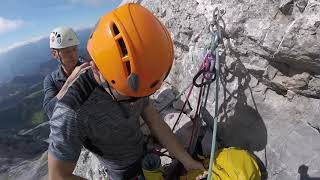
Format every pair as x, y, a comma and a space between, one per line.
22, 157
15, 149
269, 100
36, 168
269, 87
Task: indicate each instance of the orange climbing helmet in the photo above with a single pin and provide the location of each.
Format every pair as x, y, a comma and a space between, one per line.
132, 50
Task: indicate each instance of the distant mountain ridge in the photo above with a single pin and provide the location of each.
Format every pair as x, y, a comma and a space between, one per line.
21, 82
25, 60
21, 100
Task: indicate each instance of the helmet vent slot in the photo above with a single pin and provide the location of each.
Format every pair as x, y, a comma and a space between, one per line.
123, 47
128, 67
115, 30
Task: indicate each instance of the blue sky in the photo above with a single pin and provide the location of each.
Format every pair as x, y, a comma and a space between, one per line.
24, 21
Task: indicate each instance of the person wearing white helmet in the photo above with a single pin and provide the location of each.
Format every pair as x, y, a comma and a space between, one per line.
64, 48
129, 63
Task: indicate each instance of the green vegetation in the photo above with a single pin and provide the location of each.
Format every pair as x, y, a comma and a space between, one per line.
34, 95
24, 109
37, 118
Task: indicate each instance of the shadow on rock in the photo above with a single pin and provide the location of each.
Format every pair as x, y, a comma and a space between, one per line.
245, 129
240, 125
303, 171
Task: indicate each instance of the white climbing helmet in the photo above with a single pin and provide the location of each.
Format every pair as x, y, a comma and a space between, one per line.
63, 37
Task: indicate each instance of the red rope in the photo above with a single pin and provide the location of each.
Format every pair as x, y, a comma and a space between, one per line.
197, 113
161, 154
201, 93
187, 98
184, 105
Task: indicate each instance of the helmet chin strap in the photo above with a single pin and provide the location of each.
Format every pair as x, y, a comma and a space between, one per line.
105, 85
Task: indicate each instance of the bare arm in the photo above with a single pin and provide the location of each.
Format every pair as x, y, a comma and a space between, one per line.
52, 94
165, 136
60, 170
65, 143
75, 73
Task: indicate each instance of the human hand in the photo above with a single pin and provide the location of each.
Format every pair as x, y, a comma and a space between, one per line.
193, 165
204, 175
77, 70
75, 73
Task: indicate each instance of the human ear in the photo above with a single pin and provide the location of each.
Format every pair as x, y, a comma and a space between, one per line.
54, 53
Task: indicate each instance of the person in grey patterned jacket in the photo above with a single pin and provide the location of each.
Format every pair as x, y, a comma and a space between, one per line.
64, 48
101, 108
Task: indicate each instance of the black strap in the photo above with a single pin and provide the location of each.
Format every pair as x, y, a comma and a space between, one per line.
203, 71
88, 145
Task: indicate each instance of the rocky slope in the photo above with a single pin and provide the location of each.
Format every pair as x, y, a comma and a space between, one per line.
269, 98
20, 156
269, 93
